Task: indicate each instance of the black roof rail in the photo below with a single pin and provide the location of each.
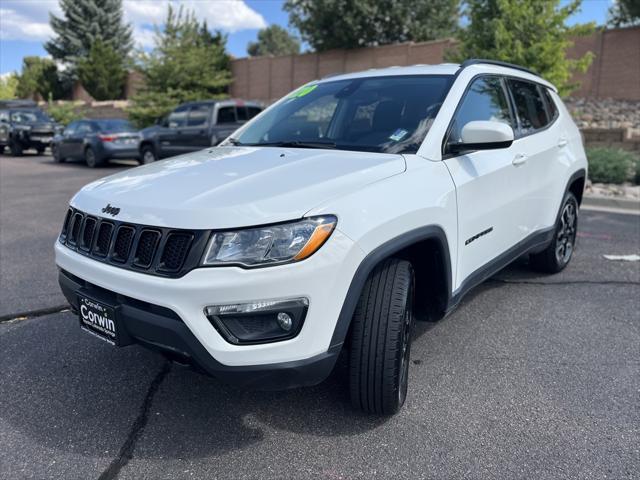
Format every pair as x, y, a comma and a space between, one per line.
476, 61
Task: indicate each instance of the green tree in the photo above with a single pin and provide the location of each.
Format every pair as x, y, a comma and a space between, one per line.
274, 40
624, 13
83, 23
350, 24
102, 73
8, 85
188, 62
531, 34
39, 77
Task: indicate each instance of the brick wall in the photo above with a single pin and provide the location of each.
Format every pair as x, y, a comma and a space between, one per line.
611, 137
614, 73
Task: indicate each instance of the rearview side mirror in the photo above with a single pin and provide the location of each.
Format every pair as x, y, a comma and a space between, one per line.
483, 135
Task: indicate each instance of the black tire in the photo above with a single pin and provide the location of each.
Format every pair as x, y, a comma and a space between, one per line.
147, 155
55, 153
40, 150
15, 148
91, 159
557, 255
381, 339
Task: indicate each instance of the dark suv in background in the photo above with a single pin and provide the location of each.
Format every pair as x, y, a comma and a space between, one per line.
23, 126
194, 126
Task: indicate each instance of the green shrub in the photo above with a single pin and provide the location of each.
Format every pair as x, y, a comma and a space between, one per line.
64, 113
611, 165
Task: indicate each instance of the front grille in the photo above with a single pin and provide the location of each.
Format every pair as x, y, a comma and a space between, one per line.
122, 247
153, 250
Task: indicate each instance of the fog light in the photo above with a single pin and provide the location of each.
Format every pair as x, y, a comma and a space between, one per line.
285, 322
259, 322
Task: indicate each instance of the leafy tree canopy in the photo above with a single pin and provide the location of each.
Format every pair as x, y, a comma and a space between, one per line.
39, 77
531, 34
331, 24
624, 13
187, 63
274, 40
8, 85
82, 24
102, 73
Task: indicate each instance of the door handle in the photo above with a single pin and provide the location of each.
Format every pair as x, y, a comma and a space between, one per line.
519, 159
562, 142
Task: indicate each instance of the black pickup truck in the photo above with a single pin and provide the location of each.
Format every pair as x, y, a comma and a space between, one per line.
194, 126
23, 126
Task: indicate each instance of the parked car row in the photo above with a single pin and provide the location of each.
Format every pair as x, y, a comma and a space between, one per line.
191, 126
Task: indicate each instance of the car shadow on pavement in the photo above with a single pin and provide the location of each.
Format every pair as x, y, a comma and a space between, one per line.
69, 392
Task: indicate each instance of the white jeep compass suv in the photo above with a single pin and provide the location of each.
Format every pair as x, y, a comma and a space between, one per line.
334, 219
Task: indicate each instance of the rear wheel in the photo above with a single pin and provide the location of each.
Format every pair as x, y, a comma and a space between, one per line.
91, 158
147, 155
381, 339
558, 254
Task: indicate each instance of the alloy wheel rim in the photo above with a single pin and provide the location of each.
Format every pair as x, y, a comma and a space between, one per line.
148, 157
566, 235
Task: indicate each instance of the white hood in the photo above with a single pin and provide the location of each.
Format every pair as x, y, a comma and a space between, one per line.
228, 187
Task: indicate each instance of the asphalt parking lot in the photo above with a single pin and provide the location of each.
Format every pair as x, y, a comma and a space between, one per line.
532, 377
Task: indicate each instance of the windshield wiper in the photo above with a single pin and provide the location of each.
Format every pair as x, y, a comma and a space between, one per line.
294, 144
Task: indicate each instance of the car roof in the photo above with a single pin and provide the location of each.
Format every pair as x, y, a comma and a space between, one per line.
225, 102
480, 66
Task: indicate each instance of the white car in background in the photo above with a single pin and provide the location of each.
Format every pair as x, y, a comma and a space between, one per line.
332, 221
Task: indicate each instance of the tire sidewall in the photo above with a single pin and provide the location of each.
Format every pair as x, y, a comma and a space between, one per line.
144, 155
90, 158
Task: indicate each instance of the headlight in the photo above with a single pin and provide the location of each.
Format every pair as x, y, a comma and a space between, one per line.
272, 244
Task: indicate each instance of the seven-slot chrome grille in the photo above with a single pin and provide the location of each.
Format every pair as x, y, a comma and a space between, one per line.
166, 252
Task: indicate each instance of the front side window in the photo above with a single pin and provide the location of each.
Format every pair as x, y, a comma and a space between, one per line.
198, 116
486, 99
29, 116
85, 127
178, 118
529, 105
390, 114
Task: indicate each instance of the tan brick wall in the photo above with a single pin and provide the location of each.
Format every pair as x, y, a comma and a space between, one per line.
614, 73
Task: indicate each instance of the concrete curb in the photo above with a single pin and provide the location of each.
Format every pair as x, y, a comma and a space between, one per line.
600, 202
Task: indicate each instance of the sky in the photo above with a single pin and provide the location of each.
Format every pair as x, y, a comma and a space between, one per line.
24, 24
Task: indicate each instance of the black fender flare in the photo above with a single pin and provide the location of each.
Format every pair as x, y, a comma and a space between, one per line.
387, 249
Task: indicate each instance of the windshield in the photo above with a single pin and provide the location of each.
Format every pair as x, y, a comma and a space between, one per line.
114, 126
29, 116
389, 114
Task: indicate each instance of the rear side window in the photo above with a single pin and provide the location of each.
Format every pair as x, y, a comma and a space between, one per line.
227, 115
198, 116
486, 99
84, 127
529, 105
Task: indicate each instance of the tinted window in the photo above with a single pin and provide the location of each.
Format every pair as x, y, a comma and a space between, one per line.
84, 127
114, 126
227, 115
242, 114
485, 100
551, 104
380, 114
529, 106
29, 116
198, 116
253, 111
71, 128
178, 118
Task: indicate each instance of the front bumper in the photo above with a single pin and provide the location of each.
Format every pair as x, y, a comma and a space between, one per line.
306, 359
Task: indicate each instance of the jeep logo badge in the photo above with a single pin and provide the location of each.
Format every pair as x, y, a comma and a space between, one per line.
113, 211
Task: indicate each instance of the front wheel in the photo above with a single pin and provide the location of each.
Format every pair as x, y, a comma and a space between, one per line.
15, 148
558, 254
381, 339
147, 155
55, 152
